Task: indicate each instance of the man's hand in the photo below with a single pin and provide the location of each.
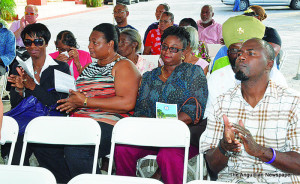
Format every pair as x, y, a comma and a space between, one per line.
229, 143
251, 147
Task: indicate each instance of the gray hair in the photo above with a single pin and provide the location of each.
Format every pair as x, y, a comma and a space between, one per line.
211, 9
194, 44
134, 36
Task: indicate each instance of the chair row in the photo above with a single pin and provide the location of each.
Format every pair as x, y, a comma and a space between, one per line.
86, 131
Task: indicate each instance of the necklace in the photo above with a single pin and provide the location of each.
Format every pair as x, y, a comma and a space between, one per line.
162, 73
35, 70
109, 61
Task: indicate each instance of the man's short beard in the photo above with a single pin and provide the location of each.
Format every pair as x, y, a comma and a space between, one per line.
207, 21
239, 75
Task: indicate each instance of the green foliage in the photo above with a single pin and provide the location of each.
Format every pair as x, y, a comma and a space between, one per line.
7, 9
3, 22
94, 3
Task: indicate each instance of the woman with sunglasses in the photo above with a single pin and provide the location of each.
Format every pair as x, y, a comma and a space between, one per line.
106, 91
41, 86
173, 83
68, 52
130, 43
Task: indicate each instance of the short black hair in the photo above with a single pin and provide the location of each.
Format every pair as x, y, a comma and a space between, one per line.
169, 14
38, 30
67, 38
179, 32
110, 33
165, 5
190, 22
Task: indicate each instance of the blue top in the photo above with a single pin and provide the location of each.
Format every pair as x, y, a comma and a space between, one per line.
221, 53
187, 80
125, 27
7, 45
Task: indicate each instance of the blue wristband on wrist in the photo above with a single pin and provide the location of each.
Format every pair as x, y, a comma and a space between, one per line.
273, 158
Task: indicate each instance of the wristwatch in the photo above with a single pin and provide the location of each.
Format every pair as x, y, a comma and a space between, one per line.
85, 102
225, 153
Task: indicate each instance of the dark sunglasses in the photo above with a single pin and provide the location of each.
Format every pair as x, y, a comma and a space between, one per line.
171, 49
37, 42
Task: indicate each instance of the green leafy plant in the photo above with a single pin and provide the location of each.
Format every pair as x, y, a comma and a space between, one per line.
7, 9
94, 3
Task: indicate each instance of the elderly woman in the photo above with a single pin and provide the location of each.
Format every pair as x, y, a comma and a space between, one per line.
68, 52
172, 83
152, 44
129, 45
192, 49
107, 92
41, 67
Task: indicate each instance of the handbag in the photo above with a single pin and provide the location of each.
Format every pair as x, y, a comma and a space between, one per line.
28, 109
198, 126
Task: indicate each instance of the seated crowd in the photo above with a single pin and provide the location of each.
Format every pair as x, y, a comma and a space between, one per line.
248, 119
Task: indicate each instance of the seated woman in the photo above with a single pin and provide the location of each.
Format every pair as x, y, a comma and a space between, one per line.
172, 83
68, 52
130, 43
107, 92
192, 49
41, 66
152, 44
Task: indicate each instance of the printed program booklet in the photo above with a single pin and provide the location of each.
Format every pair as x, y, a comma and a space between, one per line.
166, 111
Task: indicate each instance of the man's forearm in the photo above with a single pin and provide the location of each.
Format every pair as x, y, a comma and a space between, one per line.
216, 160
286, 161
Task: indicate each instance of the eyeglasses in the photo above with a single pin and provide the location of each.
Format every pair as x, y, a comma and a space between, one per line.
120, 12
234, 51
171, 49
164, 21
30, 13
37, 42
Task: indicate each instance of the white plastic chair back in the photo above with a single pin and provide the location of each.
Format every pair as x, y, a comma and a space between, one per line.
205, 182
213, 49
152, 58
63, 131
109, 179
151, 132
9, 134
12, 174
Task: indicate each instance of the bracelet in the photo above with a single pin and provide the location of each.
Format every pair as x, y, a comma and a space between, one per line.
85, 102
20, 91
273, 158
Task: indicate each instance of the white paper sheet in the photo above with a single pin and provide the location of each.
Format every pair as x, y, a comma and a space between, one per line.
24, 66
63, 82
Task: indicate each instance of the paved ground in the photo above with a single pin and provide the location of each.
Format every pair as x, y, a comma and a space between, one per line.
80, 20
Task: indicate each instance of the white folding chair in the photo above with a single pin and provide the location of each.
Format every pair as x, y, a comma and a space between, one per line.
3, 84
151, 132
109, 179
202, 164
12, 174
9, 134
152, 58
63, 131
205, 182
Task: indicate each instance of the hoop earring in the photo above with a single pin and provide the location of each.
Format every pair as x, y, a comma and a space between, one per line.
182, 58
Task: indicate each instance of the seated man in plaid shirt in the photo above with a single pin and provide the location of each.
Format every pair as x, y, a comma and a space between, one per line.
253, 130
